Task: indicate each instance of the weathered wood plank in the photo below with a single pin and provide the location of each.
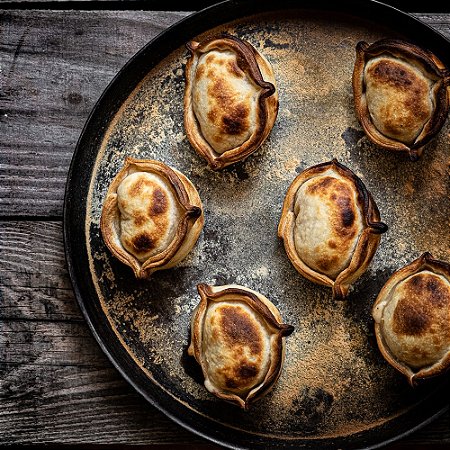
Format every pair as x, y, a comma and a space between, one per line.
56, 385
53, 69
171, 5
78, 404
34, 283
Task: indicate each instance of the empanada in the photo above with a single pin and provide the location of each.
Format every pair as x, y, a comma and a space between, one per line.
230, 101
330, 226
412, 319
237, 337
152, 216
400, 93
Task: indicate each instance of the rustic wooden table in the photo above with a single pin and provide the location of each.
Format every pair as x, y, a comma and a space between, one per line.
56, 385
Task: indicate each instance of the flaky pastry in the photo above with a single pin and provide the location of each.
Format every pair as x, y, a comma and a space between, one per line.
412, 319
230, 101
152, 216
400, 93
330, 226
237, 338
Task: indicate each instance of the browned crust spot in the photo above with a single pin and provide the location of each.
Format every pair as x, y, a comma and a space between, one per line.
390, 72
136, 188
139, 219
320, 187
327, 262
142, 243
159, 203
210, 58
235, 122
238, 330
347, 214
425, 301
242, 375
234, 69
411, 319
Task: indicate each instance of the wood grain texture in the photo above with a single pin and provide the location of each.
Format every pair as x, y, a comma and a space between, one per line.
54, 66
53, 69
56, 385
172, 5
34, 284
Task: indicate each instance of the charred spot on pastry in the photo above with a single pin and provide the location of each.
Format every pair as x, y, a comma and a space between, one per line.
139, 219
230, 101
142, 243
347, 215
235, 122
246, 371
234, 69
412, 319
137, 187
322, 186
238, 329
330, 226
159, 204
400, 94
390, 72
237, 337
151, 216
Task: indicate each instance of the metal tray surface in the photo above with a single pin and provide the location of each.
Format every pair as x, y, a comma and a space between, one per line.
335, 389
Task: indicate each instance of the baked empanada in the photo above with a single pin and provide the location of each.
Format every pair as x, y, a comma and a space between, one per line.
400, 93
412, 319
152, 216
230, 101
330, 226
237, 338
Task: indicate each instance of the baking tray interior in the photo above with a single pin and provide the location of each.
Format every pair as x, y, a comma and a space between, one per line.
335, 387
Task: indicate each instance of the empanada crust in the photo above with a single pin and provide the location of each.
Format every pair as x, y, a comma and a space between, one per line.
237, 337
230, 101
330, 226
400, 93
151, 217
412, 319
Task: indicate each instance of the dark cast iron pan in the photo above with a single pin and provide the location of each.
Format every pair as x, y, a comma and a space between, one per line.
336, 391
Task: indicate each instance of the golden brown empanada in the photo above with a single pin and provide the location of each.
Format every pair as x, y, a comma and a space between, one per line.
412, 319
237, 338
152, 216
400, 93
330, 226
230, 101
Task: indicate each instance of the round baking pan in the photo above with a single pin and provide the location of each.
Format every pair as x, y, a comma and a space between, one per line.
335, 391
